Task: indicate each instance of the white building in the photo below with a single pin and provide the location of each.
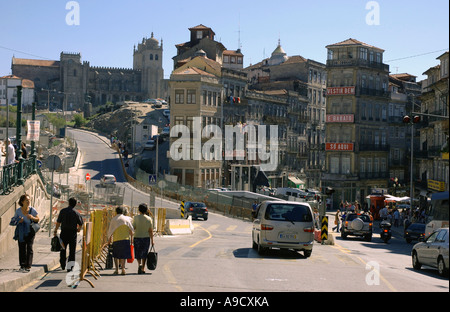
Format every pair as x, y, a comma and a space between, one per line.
8, 90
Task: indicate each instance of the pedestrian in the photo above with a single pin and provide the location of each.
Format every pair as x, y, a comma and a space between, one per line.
396, 217
24, 151
71, 222
24, 233
120, 233
10, 153
254, 206
143, 236
337, 221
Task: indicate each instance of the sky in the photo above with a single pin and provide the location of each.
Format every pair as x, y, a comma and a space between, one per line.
412, 33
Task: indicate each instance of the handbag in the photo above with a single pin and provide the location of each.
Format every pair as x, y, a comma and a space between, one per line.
152, 259
130, 260
35, 227
56, 246
109, 259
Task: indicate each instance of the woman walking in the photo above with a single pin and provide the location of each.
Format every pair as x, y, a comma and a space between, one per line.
120, 232
143, 235
24, 233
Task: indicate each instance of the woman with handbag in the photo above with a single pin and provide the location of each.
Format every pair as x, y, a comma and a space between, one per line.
143, 236
25, 219
120, 233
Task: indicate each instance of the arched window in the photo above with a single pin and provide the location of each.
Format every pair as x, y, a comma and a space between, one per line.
156, 57
151, 57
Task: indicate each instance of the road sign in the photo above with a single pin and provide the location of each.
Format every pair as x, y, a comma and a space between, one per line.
182, 209
88, 176
324, 233
53, 162
152, 179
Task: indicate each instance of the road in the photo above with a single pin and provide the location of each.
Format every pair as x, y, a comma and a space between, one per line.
97, 158
218, 257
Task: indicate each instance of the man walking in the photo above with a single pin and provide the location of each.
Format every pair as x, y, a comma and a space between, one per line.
71, 223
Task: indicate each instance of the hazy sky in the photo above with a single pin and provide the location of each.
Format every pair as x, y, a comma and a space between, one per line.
412, 33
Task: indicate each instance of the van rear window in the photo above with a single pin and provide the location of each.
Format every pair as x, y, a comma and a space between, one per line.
288, 212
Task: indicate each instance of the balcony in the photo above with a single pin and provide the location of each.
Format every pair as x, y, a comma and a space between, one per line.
372, 92
373, 175
357, 63
374, 147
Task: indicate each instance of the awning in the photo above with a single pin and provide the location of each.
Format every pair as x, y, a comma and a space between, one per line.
296, 181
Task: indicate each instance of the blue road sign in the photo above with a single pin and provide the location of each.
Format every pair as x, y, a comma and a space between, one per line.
152, 179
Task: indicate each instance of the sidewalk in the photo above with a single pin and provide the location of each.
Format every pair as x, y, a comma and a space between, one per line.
43, 261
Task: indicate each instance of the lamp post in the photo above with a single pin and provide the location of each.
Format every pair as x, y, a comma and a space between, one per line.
411, 121
20, 179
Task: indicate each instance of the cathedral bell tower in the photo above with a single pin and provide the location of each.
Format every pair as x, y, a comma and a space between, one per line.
148, 58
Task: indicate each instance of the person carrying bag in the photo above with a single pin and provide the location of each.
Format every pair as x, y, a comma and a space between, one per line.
152, 259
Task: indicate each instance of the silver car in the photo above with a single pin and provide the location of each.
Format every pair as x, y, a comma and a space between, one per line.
285, 225
432, 252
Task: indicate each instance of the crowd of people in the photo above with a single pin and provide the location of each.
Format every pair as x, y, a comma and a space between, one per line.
9, 153
123, 233
390, 212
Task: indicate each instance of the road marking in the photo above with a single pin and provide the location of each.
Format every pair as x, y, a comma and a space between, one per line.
203, 240
348, 251
170, 278
231, 227
212, 227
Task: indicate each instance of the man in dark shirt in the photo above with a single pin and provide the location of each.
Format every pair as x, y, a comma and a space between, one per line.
71, 223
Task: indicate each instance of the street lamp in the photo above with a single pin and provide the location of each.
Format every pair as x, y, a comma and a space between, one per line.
414, 120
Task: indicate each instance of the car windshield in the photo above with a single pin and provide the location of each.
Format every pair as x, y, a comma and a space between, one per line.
198, 205
288, 212
354, 216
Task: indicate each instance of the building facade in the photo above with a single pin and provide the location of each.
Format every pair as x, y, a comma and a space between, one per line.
69, 82
356, 148
433, 155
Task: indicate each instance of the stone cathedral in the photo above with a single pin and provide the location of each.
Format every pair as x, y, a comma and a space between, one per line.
70, 82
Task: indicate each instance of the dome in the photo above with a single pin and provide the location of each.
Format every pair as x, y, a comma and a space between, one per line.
152, 42
279, 56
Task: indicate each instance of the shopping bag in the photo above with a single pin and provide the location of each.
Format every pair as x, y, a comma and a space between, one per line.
109, 259
132, 255
152, 259
56, 246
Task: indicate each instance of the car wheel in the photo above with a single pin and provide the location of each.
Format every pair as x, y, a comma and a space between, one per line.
254, 245
443, 271
205, 218
369, 237
415, 261
307, 253
261, 250
343, 235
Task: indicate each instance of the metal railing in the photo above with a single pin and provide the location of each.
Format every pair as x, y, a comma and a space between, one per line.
14, 174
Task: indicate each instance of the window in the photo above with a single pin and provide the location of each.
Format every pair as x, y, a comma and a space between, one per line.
179, 96
151, 57
199, 34
233, 60
346, 165
334, 164
191, 98
363, 54
288, 212
226, 59
330, 54
156, 57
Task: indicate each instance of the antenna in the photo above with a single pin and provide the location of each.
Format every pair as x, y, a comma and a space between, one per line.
239, 32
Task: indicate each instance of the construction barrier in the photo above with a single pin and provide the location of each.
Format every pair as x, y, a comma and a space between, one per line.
179, 227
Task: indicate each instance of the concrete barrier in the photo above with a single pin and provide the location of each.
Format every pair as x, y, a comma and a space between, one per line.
178, 227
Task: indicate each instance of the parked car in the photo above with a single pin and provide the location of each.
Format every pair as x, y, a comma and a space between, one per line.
415, 231
283, 224
357, 224
150, 145
166, 131
432, 252
107, 179
195, 210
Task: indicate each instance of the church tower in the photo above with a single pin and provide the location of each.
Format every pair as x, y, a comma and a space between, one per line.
148, 58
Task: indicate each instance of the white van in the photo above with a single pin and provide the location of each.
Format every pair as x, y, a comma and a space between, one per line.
285, 225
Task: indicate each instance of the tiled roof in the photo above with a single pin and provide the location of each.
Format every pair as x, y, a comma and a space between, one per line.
352, 41
30, 62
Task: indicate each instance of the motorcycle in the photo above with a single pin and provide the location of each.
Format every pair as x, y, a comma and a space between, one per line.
386, 233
